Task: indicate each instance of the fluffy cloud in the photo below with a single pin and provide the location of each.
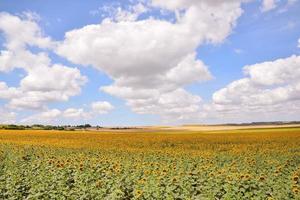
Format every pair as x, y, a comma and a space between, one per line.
131, 14
7, 117
73, 113
270, 87
45, 82
31, 33
283, 6
60, 81
8, 92
152, 60
268, 5
46, 117
101, 107
55, 116
177, 105
281, 71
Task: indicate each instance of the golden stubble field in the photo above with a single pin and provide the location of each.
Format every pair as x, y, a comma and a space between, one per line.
161, 164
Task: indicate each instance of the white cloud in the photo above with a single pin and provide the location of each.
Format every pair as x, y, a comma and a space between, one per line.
270, 87
101, 107
299, 43
115, 12
21, 58
7, 117
177, 105
31, 35
129, 15
56, 116
73, 113
268, 5
46, 117
44, 82
31, 16
8, 92
280, 71
59, 79
152, 59
187, 71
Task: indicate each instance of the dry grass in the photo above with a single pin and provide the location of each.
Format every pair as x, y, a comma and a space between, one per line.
221, 127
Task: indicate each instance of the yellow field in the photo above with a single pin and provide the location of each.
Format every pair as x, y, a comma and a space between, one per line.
232, 164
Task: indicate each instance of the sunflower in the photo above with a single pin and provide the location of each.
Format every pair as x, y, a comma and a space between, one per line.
262, 178
247, 176
296, 190
98, 183
138, 193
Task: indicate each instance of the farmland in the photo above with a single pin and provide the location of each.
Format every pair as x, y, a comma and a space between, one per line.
156, 164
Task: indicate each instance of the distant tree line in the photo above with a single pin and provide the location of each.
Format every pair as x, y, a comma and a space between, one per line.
46, 127
265, 123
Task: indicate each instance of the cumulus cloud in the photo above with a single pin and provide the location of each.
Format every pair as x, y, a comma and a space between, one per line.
268, 5
117, 12
45, 117
8, 92
269, 87
130, 14
56, 116
153, 59
44, 82
282, 6
32, 35
7, 117
73, 113
178, 105
101, 107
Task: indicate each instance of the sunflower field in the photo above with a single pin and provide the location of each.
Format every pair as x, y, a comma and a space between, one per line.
236, 164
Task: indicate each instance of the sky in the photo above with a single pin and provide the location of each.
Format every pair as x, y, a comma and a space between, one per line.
149, 62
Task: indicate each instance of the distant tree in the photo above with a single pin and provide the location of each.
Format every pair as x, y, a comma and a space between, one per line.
60, 128
87, 126
13, 127
48, 127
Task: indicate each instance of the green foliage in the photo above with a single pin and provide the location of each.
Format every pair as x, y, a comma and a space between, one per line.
13, 127
45, 127
256, 164
49, 173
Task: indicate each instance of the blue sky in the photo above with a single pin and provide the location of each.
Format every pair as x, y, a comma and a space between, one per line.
259, 35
